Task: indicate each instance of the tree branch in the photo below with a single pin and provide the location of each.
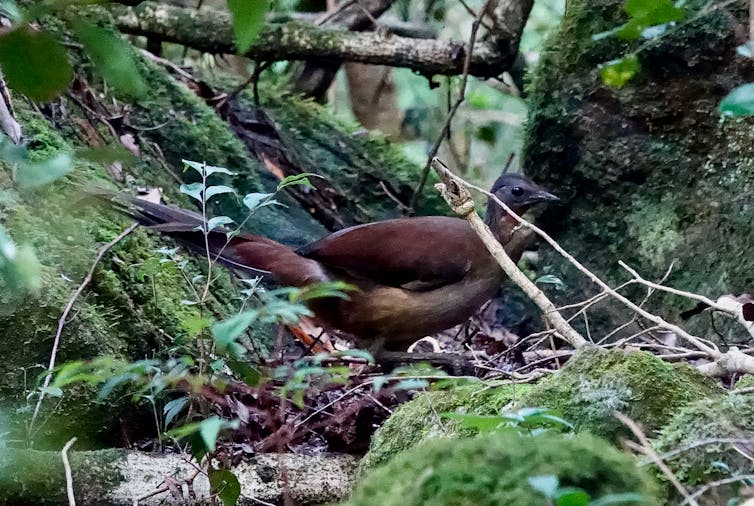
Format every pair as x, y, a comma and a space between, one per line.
210, 30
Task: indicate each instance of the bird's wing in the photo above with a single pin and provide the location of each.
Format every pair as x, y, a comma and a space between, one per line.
416, 254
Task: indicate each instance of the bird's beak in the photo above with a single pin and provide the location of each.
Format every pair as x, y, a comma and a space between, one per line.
543, 196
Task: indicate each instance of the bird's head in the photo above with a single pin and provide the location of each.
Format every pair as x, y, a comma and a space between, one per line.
519, 192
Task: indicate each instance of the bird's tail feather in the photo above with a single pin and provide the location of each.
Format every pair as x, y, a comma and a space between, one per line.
252, 254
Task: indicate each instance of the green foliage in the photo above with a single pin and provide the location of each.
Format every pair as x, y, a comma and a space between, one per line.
111, 55
617, 73
549, 486
526, 421
34, 64
495, 469
739, 102
224, 483
248, 20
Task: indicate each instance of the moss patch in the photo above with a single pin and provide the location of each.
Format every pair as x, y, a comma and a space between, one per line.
419, 419
36, 477
595, 383
695, 462
494, 469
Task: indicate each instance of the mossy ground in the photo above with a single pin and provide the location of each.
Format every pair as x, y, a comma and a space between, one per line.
595, 383
420, 419
133, 307
494, 470
651, 172
694, 444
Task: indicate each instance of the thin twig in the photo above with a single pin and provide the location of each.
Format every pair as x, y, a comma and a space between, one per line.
713, 484
452, 112
68, 474
646, 448
64, 317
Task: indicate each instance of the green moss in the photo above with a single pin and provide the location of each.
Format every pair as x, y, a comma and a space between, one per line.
693, 436
746, 381
419, 419
494, 469
36, 477
595, 383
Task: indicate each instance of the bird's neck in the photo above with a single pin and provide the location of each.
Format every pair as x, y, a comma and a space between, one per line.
500, 222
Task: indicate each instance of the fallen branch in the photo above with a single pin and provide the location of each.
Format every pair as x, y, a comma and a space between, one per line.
211, 31
68, 474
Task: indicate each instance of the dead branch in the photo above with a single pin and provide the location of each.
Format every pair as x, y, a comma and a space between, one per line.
646, 448
210, 31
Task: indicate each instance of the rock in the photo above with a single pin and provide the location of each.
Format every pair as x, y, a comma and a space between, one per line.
494, 470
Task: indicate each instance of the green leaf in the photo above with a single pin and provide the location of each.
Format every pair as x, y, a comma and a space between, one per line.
245, 372
549, 279
256, 200
194, 324
218, 221
10, 10
739, 102
248, 20
112, 57
227, 331
653, 12
34, 64
34, 174
217, 190
210, 428
203, 168
225, 484
546, 485
193, 190
297, 179
174, 408
617, 73
571, 496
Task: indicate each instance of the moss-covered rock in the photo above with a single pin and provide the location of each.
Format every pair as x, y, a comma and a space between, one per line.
595, 383
693, 443
420, 419
37, 477
650, 171
494, 470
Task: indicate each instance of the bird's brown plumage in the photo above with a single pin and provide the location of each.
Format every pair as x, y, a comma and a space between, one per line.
415, 276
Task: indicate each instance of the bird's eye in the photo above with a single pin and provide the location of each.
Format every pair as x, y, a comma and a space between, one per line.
517, 191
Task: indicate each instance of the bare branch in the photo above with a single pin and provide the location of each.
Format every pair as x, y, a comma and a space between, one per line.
210, 30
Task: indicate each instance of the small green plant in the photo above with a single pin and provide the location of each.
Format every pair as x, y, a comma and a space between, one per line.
531, 421
549, 486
